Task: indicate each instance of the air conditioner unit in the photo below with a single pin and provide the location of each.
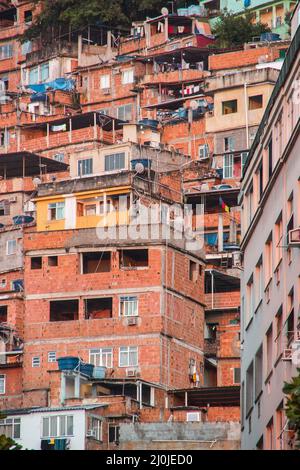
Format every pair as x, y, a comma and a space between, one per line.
131, 373
106, 91
13, 199
294, 237
91, 433
236, 259
132, 321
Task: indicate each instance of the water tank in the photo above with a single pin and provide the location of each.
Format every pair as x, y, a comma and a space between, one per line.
68, 363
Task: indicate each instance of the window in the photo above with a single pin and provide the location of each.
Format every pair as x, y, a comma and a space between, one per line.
4, 208
269, 348
36, 361
36, 262
228, 166
56, 211
250, 300
229, 107
128, 306
85, 167
128, 356
124, 113
280, 427
258, 371
270, 158
237, 375
3, 313
203, 151
2, 385
28, 16
4, 138
268, 260
249, 388
278, 240
95, 426
270, 435
96, 262
59, 157
127, 76
114, 432
194, 271
229, 143
115, 162
11, 427
105, 82
26, 47
133, 259
255, 102
97, 309
244, 156
44, 72
278, 332
52, 261
64, 310
11, 247
51, 356
259, 282
34, 75
6, 51
102, 357
57, 426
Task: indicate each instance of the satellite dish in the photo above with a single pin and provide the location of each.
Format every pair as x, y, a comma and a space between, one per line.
36, 181
194, 104
164, 11
139, 168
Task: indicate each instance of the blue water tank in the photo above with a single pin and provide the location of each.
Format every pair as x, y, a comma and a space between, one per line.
68, 363
86, 369
270, 37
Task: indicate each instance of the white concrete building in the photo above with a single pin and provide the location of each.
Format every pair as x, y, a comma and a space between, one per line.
270, 284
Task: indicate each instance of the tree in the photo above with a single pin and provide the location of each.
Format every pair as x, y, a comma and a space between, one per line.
56, 15
292, 390
232, 30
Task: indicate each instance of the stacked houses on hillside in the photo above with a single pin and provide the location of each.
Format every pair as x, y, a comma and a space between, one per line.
120, 165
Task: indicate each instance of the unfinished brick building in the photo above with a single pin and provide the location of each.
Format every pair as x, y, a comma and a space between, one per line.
94, 131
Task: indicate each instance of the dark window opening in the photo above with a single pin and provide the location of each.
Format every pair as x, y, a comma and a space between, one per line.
3, 314
114, 432
4, 208
255, 102
96, 262
64, 310
133, 258
96, 309
211, 331
52, 261
261, 188
290, 327
28, 16
36, 263
237, 375
8, 17
229, 107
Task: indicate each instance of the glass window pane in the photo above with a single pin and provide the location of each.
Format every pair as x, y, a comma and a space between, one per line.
70, 425
62, 426
45, 427
53, 426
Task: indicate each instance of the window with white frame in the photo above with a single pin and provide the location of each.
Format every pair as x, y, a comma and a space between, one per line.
57, 426
129, 306
228, 166
101, 357
33, 75
10, 427
128, 356
127, 76
44, 71
85, 167
115, 161
6, 51
51, 356
59, 157
2, 385
95, 426
36, 361
105, 82
11, 247
26, 47
203, 151
56, 211
124, 112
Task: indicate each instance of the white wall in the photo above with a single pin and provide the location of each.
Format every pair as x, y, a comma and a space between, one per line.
31, 429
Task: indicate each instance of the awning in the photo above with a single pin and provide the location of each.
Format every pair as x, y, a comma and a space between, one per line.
20, 164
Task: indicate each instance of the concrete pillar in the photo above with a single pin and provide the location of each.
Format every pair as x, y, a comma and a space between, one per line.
166, 28
274, 16
79, 49
95, 126
70, 131
77, 386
